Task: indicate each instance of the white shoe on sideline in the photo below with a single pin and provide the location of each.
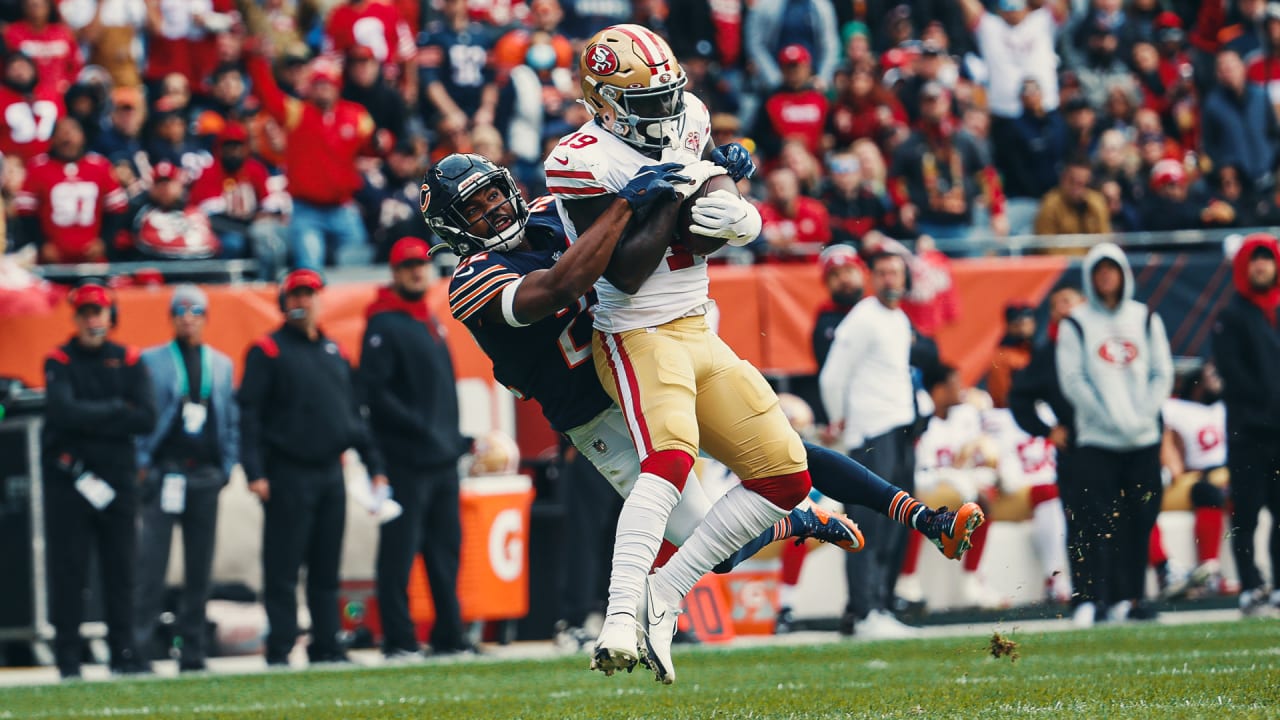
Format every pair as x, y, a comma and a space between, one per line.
882, 625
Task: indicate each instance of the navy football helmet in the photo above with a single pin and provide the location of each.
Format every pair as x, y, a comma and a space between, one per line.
448, 186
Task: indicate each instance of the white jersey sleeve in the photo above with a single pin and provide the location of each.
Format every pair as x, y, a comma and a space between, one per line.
1202, 430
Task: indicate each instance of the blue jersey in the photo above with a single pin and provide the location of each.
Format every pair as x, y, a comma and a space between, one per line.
549, 360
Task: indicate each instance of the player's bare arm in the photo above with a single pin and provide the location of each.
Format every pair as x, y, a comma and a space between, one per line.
544, 292
641, 247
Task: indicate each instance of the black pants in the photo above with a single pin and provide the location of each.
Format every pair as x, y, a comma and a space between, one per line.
1072, 508
199, 520
592, 507
872, 573
303, 525
72, 527
1255, 481
1119, 500
430, 525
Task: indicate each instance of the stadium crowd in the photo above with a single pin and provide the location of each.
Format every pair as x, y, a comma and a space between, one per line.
212, 135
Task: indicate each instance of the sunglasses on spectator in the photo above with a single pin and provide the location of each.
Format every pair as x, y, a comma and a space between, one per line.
194, 310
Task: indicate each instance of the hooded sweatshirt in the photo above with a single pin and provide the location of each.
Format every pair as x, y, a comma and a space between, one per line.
1114, 365
1246, 348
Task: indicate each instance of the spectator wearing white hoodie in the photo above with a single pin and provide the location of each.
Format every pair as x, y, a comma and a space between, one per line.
1116, 369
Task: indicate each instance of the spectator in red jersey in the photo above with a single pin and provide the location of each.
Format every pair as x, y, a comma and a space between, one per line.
175, 29
216, 41
70, 204
792, 225
245, 215
29, 109
796, 109
41, 36
865, 109
326, 135
378, 26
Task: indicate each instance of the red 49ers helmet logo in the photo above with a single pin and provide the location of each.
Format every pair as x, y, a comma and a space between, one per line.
1118, 351
602, 60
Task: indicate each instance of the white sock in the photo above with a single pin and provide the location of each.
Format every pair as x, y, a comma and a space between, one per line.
635, 547
732, 521
1049, 536
787, 595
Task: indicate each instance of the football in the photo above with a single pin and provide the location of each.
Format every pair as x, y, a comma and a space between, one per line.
700, 244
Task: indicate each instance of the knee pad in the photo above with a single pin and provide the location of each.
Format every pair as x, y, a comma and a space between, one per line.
1205, 494
784, 491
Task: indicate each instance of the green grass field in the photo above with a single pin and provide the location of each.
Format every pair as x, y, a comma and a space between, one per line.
1225, 670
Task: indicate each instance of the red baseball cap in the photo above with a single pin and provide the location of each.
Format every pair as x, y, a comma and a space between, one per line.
302, 278
89, 294
360, 52
838, 256
409, 249
794, 55
323, 70
1167, 172
233, 132
166, 170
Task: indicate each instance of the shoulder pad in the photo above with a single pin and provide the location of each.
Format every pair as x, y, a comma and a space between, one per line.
268, 346
480, 279
576, 168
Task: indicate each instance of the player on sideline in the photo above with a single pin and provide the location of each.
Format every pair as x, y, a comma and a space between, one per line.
530, 313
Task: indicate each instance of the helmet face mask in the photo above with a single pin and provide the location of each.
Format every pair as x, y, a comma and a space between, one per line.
634, 85
446, 191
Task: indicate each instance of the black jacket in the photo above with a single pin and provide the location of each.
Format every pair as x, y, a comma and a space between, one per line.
298, 401
1039, 381
96, 402
1246, 349
407, 379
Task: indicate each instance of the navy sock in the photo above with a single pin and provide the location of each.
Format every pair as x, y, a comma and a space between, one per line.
848, 481
780, 529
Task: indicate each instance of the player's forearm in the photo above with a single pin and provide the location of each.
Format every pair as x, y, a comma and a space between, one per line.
642, 248
588, 258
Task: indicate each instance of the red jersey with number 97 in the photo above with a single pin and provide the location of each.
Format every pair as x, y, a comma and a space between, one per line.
69, 198
26, 123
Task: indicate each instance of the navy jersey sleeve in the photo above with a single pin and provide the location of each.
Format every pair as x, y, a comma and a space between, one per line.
477, 281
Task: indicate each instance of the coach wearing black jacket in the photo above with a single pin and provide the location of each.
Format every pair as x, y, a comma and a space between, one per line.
99, 399
1246, 349
1038, 382
407, 378
299, 412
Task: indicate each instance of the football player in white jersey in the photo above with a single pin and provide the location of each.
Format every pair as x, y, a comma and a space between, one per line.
953, 451
1029, 463
1195, 432
679, 386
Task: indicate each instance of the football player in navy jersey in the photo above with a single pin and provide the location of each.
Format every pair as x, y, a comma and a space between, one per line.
524, 292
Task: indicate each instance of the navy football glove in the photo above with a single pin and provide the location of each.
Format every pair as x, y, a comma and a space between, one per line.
652, 184
734, 158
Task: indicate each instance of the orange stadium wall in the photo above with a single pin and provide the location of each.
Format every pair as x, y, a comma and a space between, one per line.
766, 316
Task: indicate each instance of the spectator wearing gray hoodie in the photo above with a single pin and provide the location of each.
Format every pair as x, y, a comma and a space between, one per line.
1116, 369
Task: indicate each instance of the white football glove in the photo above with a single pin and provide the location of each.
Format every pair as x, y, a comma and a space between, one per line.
699, 172
722, 214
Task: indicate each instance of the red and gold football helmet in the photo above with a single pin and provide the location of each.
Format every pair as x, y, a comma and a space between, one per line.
634, 85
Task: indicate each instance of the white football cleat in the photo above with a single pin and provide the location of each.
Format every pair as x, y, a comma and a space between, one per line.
616, 647
660, 628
